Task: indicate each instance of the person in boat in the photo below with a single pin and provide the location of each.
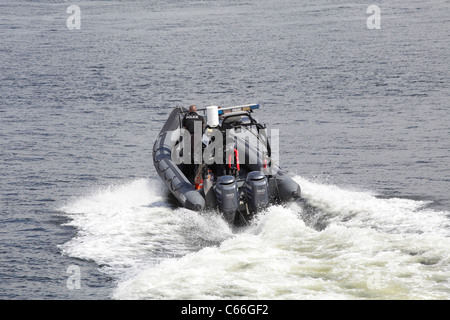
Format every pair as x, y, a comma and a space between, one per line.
192, 120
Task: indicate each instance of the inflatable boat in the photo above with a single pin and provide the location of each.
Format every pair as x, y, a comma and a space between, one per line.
225, 165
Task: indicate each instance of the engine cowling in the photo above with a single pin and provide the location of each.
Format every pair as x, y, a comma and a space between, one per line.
256, 191
227, 196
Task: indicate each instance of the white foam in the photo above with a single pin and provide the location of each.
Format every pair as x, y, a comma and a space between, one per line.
364, 209
118, 225
122, 227
370, 248
280, 258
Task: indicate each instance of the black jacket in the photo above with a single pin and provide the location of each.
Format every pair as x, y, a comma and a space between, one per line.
190, 119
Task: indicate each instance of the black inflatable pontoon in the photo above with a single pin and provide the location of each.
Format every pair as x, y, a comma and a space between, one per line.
229, 167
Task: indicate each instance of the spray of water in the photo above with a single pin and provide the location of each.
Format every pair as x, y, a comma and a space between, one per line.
337, 244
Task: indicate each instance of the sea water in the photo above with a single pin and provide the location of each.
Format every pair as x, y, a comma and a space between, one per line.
362, 116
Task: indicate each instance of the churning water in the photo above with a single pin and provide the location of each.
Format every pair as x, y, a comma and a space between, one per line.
363, 122
344, 245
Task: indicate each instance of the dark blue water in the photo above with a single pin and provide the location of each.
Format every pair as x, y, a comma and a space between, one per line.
363, 119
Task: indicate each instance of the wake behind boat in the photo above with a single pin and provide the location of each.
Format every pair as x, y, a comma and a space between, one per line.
227, 165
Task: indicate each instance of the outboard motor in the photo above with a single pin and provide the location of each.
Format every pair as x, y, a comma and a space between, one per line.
257, 191
227, 195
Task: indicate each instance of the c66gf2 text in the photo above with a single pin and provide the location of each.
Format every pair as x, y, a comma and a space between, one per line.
247, 309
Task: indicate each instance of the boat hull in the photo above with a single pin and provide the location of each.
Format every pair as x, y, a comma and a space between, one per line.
178, 178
